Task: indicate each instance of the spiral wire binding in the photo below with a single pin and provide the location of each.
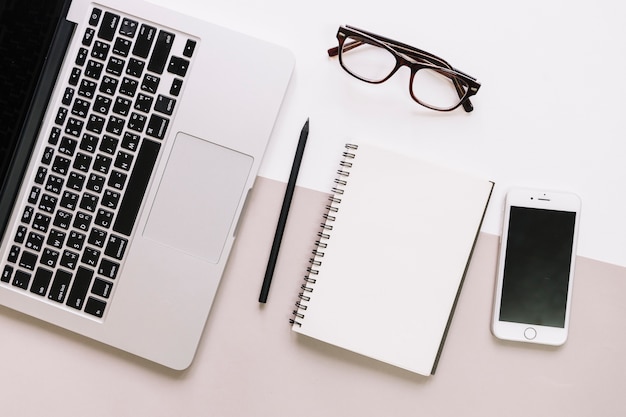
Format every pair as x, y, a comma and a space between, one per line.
341, 181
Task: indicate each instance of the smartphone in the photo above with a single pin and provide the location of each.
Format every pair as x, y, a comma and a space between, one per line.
535, 274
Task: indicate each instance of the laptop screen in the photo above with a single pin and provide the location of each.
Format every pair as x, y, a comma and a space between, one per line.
26, 31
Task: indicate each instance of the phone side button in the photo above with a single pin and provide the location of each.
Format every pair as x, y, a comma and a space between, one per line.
530, 333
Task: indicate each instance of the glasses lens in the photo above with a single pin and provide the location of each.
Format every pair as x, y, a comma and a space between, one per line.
437, 89
366, 61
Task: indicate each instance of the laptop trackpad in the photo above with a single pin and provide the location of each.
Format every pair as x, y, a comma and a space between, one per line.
197, 198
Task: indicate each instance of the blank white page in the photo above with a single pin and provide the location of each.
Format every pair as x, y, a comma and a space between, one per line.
398, 250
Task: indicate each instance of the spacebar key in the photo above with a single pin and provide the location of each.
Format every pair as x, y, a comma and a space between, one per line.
136, 187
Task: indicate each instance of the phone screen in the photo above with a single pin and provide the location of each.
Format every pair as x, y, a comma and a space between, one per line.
537, 266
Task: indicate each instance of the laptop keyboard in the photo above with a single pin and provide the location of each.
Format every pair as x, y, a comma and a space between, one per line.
85, 195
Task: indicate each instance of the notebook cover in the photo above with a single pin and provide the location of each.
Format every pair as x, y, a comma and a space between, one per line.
390, 262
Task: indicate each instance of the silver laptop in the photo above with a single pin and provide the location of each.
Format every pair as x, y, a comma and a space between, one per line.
129, 169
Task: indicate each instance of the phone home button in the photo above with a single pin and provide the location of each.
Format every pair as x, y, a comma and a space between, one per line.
530, 333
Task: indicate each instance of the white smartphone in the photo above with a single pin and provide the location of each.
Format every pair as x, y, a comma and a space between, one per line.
536, 266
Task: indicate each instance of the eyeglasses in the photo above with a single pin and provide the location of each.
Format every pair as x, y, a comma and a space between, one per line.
374, 59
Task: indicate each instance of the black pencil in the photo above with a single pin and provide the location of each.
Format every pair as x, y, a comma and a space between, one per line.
284, 211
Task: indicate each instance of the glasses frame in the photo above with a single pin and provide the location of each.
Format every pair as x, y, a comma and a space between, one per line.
413, 58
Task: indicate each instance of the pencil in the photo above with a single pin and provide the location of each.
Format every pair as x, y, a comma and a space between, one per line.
284, 212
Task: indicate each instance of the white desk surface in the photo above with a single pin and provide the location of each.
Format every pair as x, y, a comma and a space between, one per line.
549, 114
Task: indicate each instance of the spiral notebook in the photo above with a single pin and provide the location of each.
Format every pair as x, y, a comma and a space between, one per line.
391, 256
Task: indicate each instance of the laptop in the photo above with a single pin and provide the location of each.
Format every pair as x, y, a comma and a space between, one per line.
131, 137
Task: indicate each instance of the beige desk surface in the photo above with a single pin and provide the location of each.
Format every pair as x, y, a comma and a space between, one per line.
250, 363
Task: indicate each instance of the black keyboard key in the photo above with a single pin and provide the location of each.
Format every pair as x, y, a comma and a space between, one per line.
93, 69
34, 241
68, 96
48, 153
63, 219
21, 279
115, 66
135, 67
177, 85
136, 122
100, 50
75, 76
157, 127
89, 202
138, 182
130, 141
33, 196
123, 161
102, 164
68, 146
122, 47
129, 87
178, 66
41, 222
90, 257
108, 85
40, 177
74, 127
164, 105
61, 115
128, 28
60, 285
83, 53
190, 46
104, 217
144, 41
49, 258
27, 215
117, 180
116, 247
97, 237
75, 241
69, 200
96, 183
110, 199
28, 260
61, 165
95, 124
75, 181
48, 203
88, 36
150, 83
95, 307
56, 238
108, 26
102, 104
20, 235
55, 135
89, 143
7, 273
102, 288
87, 89
95, 17
82, 162
115, 125
161, 52
80, 108
109, 144
122, 106
82, 221
14, 254
69, 259
80, 287
41, 281
108, 269
143, 103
